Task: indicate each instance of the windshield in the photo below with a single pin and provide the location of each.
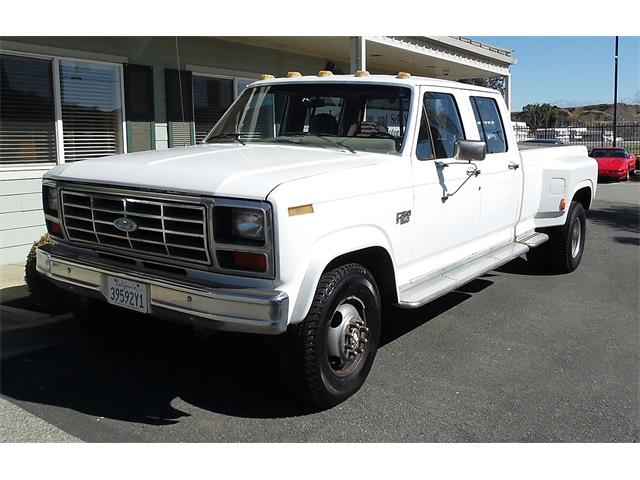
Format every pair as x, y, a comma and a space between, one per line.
325, 115
609, 153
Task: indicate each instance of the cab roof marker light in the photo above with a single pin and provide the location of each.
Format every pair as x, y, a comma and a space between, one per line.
293, 74
362, 73
325, 73
403, 75
266, 76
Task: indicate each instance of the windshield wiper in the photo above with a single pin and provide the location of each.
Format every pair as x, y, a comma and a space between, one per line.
323, 137
233, 136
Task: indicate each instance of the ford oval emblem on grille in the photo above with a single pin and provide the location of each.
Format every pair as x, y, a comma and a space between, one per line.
125, 224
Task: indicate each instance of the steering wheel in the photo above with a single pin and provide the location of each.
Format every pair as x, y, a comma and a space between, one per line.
378, 133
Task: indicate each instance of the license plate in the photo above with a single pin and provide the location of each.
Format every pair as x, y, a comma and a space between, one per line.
127, 294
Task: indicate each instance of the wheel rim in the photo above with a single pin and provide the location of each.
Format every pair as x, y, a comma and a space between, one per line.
576, 235
347, 336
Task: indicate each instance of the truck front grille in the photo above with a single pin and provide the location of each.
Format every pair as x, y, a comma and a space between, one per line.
159, 228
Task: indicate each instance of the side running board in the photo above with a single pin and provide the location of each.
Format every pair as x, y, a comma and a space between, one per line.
532, 239
422, 291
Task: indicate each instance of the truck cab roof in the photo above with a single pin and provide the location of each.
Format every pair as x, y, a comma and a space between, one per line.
413, 81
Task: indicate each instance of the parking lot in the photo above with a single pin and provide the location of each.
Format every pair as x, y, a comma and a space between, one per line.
512, 356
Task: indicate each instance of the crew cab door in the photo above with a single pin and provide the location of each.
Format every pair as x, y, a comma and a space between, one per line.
501, 175
443, 232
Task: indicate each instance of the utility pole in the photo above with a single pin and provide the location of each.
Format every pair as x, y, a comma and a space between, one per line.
615, 96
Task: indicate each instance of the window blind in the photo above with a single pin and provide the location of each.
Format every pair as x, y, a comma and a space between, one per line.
27, 119
179, 96
211, 98
91, 109
139, 107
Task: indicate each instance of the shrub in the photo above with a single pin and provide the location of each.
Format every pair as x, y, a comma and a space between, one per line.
43, 292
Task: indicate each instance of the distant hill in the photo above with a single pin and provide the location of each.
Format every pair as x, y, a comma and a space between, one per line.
592, 113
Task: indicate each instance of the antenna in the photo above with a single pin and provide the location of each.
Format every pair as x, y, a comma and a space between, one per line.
180, 81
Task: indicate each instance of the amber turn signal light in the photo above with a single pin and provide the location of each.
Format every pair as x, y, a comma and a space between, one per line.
256, 262
54, 228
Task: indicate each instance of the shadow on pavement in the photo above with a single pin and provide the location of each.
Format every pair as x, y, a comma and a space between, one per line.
134, 370
628, 240
621, 217
18, 297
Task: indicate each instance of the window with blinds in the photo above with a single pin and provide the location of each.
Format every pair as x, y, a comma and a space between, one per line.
91, 100
27, 118
139, 107
179, 97
211, 98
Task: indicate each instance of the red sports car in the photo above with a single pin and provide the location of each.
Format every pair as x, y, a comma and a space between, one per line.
614, 162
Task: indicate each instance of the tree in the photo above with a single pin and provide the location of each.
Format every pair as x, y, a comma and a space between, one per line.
539, 115
496, 83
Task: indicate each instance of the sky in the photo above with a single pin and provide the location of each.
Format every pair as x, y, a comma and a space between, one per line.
571, 71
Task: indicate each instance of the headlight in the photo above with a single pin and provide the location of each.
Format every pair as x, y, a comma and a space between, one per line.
243, 238
50, 200
247, 224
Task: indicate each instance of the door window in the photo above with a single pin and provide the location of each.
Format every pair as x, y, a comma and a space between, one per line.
424, 150
442, 124
489, 123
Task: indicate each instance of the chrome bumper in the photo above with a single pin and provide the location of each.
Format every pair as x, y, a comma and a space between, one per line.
231, 309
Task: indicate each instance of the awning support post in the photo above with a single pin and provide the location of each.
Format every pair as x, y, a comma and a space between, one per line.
358, 54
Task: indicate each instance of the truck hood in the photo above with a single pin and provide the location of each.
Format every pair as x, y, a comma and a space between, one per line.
230, 170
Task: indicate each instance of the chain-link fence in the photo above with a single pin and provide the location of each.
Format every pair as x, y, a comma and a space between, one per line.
591, 135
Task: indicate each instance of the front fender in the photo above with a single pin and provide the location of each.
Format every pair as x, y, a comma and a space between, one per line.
302, 289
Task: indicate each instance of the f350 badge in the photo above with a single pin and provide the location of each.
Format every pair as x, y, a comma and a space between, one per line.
403, 217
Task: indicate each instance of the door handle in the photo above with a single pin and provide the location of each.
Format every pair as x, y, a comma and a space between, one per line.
513, 166
473, 171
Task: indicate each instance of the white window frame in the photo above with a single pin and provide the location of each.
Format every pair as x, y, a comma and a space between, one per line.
57, 106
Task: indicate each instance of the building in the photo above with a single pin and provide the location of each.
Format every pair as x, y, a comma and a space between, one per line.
65, 99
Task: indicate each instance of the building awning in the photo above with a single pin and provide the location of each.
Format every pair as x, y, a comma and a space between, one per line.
455, 58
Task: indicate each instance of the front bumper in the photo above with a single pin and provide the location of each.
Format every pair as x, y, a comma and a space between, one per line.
221, 308
615, 174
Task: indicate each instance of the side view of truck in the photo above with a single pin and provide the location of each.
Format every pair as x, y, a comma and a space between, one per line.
314, 200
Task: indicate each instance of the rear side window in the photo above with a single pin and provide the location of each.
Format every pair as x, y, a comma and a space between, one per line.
490, 126
440, 127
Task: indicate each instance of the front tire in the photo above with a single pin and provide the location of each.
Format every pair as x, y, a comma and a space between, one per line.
327, 357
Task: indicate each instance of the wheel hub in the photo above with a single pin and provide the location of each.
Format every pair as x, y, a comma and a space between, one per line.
347, 336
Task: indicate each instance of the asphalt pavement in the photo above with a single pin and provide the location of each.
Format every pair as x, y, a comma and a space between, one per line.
511, 357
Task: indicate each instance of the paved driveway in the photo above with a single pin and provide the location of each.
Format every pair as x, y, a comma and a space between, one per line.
510, 357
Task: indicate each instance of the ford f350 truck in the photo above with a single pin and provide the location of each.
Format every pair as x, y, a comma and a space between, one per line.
311, 202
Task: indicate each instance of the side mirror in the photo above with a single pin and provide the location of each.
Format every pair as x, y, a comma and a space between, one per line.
470, 150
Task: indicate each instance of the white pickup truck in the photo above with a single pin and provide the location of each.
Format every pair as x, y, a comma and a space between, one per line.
310, 203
